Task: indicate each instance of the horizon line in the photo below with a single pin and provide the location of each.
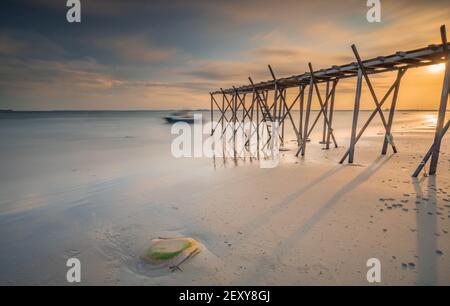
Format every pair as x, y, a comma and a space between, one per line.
178, 109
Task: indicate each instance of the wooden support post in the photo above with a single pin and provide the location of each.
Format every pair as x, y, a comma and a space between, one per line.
257, 128
442, 106
287, 112
388, 136
212, 116
247, 143
326, 111
283, 110
360, 133
264, 108
308, 112
244, 115
275, 94
223, 113
322, 111
234, 100
302, 103
241, 102
274, 105
283, 115
433, 152
355, 116
230, 106
322, 106
430, 151
263, 105
372, 92
279, 105
251, 117
330, 116
243, 108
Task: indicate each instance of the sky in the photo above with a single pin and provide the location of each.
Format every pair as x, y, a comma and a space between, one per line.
136, 54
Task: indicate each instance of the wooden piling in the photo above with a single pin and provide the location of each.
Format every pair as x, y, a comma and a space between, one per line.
355, 117
388, 136
442, 106
330, 129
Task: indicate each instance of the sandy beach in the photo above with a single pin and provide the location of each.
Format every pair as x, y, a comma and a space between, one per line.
100, 185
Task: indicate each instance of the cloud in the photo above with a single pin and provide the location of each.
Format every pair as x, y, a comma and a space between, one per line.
27, 44
135, 49
279, 52
135, 54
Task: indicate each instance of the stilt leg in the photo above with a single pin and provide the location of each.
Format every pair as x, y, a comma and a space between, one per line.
308, 112
330, 116
441, 119
388, 135
355, 117
300, 125
324, 133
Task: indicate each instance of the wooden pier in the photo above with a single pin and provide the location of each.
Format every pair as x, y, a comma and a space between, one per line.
279, 109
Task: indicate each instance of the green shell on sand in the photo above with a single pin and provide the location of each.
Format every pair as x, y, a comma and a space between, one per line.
171, 252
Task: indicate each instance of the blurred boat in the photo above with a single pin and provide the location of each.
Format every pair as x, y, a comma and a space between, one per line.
181, 116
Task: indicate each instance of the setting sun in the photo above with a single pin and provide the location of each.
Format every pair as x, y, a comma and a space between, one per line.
436, 68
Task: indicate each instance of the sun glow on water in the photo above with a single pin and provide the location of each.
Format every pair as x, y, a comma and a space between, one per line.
430, 120
436, 68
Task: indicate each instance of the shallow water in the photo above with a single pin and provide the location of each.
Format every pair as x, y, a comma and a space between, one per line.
101, 185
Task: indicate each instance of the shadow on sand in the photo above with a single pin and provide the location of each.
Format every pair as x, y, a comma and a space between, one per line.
426, 230
309, 224
286, 245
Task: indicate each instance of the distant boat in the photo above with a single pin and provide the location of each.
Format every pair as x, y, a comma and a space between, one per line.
181, 116
6, 110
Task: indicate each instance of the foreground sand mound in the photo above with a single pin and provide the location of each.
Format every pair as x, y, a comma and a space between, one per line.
171, 252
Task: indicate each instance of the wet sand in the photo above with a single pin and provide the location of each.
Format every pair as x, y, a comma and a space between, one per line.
99, 188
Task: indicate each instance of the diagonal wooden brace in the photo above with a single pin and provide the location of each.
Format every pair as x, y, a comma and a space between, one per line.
369, 120
372, 92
